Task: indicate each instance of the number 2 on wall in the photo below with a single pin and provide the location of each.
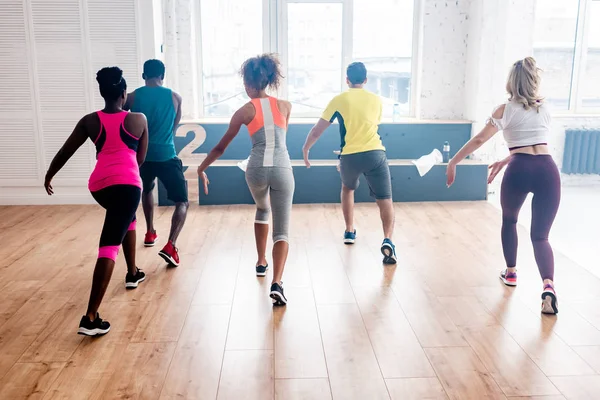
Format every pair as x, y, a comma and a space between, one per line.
186, 154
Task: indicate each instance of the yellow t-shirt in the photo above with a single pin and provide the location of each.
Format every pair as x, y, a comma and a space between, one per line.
358, 112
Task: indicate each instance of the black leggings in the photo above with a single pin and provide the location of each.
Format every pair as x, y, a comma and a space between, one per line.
121, 203
539, 175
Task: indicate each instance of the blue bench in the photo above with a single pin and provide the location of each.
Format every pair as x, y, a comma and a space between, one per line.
321, 183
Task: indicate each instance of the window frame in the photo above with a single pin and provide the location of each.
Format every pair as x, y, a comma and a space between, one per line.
579, 64
274, 21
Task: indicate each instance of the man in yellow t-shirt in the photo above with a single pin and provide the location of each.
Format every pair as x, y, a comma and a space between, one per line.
358, 112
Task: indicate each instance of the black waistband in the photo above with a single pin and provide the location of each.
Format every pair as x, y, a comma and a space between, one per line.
529, 145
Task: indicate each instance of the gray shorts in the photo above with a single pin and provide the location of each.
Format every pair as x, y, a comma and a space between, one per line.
374, 166
272, 189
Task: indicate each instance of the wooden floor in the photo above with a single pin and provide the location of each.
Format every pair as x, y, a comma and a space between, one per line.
438, 325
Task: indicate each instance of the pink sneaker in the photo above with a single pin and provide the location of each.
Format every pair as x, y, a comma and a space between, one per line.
509, 278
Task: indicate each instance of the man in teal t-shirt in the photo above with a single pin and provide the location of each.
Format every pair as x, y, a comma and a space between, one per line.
162, 108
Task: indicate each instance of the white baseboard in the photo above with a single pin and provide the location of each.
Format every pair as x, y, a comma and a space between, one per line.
37, 196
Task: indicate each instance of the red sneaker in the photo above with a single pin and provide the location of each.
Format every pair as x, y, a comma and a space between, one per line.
170, 254
150, 239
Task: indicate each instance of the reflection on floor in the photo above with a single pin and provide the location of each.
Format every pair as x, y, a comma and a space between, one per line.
438, 325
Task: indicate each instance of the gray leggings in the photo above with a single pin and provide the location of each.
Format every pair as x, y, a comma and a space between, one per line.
277, 184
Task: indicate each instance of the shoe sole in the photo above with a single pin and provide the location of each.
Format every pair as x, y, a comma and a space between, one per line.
168, 259
349, 241
278, 298
388, 255
549, 303
133, 285
261, 274
92, 332
508, 283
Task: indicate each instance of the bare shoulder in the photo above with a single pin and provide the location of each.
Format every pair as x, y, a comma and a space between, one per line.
90, 124
137, 117
88, 118
135, 123
284, 106
247, 108
246, 113
177, 96
499, 111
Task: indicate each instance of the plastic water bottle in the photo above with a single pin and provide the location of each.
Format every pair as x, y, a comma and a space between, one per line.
396, 112
446, 152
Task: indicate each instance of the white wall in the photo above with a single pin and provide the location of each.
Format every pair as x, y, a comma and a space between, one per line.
48, 80
444, 58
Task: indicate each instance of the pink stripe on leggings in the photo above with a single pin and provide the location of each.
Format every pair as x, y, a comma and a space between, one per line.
132, 225
110, 252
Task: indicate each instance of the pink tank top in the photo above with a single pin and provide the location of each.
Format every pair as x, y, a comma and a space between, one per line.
116, 151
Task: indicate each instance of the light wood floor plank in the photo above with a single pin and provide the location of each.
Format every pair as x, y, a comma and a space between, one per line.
351, 362
462, 374
29, 380
298, 346
416, 389
497, 350
547, 350
196, 366
248, 375
398, 351
302, 389
17, 334
578, 387
141, 372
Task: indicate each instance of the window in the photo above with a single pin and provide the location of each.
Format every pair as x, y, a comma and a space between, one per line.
382, 39
231, 33
567, 49
590, 89
315, 40
311, 86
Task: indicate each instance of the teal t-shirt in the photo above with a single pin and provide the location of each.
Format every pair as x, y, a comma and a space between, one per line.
156, 103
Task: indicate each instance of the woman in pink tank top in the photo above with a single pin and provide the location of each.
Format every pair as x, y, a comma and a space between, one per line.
121, 140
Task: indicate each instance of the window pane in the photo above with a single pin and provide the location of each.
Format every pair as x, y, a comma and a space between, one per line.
590, 84
314, 73
231, 33
383, 41
554, 48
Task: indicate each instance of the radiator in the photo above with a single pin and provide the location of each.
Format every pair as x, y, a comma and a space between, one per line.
582, 152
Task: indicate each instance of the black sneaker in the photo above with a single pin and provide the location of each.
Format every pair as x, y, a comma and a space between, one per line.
97, 327
132, 281
261, 270
277, 294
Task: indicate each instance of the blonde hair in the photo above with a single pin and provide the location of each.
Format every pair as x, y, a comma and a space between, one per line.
524, 82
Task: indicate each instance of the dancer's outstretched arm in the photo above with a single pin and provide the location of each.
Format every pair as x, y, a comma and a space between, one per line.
488, 131
73, 143
313, 136
242, 116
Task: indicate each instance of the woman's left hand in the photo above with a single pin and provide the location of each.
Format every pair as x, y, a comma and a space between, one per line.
450, 173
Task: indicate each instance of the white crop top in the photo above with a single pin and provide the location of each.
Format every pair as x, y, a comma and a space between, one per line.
523, 127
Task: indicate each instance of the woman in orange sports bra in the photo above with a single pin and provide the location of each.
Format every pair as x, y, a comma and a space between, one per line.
269, 172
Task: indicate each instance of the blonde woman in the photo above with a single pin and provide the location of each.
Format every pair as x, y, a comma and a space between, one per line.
525, 122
